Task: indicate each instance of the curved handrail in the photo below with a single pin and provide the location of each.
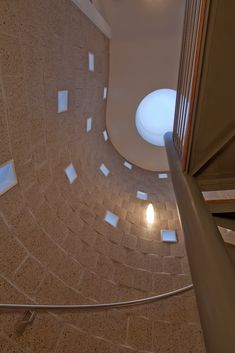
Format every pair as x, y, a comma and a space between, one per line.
90, 307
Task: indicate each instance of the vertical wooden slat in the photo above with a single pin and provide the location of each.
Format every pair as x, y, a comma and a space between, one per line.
192, 46
195, 75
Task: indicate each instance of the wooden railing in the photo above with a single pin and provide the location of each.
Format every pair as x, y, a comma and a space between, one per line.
196, 15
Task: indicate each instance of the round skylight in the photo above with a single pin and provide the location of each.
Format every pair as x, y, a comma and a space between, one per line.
155, 116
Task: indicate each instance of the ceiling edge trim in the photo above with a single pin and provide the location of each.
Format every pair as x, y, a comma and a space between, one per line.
93, 14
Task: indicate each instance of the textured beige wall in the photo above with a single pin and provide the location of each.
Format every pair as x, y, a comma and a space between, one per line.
54, 244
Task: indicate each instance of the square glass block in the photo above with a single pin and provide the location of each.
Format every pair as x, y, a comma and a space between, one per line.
142, 195
71, 173
105, 92
128, 165
168, 236
162, 176
105, 135
104, 170
62, 101
91, 62
88, 124
111, 218
8, 177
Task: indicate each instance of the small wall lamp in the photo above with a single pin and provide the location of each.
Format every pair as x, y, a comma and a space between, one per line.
150, 214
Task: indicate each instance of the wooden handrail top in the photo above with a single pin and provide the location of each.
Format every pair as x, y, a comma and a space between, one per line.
218, 201
229, 245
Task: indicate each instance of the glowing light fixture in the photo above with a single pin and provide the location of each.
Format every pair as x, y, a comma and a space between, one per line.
150, 214
155, 115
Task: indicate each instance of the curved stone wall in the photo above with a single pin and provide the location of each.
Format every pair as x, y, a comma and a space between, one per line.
54, 244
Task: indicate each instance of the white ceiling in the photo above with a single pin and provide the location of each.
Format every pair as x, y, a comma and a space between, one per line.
130, 19
144, 56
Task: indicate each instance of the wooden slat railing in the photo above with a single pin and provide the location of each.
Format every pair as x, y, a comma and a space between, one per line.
196, 15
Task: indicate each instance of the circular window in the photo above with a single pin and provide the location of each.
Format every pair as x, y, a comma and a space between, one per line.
155, 115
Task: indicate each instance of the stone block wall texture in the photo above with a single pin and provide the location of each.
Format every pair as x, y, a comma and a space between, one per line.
54, 244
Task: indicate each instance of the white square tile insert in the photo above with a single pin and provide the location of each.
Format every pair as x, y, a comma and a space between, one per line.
104, 170
8, 177
62, 101
168, 236
71, 173
105, 135
128, 165
111, 218
89, 124
91, 61
105, 92
142, 195
162, 176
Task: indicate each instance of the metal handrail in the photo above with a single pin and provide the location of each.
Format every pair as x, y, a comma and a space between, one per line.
90, 307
